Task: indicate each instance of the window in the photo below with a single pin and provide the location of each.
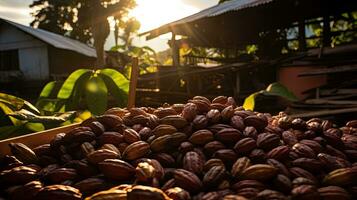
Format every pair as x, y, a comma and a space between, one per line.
9, 60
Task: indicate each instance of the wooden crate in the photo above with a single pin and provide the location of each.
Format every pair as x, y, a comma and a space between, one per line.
34, 139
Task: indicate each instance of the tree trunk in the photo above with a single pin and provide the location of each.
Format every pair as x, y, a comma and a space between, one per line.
100, 32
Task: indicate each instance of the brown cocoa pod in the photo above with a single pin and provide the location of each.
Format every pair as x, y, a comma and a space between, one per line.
177, 193
303, 150
174, 120
110, 121
136, 150
245, 146
200, 122
90, 186
26, 192
165, 159
116, 111
163, 129
218, 106
159, 170
59, 175
111, 138
116, 169
187, 180
213, 116
144, 172
43, 150
227, 113
333, 137
145, 133
257, 121
268, 141
193, 162
185, 147
203, 106
228, 156
239, 166
313, 145
299, 124
189, 112
97, 128
282, 183
100, 155
153, 121
23, 153
270, 194
248, 184
220, 99
289, 138
131, 136
309, 164
87, 148
201, 137
169, 184
211, 163
332, 162
178, 107
214, 176
299, 172
237, 123
217, 127
260, 172
257, 156
340, 177
251, 132
177, 138
58, 192
279, 153
333, 192
111, 194
228, 135
213, 146
234, 197
249, 193
335, 152
211, 196
111, 147
352, 124
302, 181
349, 141
280, 166
18, 175
140, 119
305, 192
163, 112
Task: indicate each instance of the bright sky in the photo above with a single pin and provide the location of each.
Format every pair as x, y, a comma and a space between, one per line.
151, 14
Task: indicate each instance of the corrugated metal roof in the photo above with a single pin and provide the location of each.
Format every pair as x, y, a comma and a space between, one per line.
233, 5
56, 40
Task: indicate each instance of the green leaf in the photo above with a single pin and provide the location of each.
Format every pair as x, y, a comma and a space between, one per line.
16, 102
26, 115
277, 89
68, 86
249, 102
74, 101
35, 127
96, 95
7, 111
118, 91
118, 78
48, 89
11, 131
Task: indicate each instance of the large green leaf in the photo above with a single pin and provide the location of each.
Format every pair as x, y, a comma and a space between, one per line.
118, 91
68, 86
11, 131
118, 78
278, 89
249, 102
7, 110
74, 102
26, 115
35, 127
96, 95
47, 90
16, 103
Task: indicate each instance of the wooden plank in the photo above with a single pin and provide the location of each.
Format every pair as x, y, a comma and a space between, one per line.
133, 83
34, 139
326, 101
324, 113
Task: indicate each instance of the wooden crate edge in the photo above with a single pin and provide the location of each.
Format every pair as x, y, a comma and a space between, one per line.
34, 139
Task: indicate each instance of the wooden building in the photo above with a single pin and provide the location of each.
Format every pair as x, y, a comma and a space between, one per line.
29, 54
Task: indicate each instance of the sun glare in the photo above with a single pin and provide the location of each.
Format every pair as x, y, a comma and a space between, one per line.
154, 13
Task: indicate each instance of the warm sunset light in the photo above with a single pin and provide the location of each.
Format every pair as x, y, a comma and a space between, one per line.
154, 13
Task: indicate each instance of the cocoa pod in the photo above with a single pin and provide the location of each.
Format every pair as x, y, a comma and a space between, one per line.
100, 155
227, 113
18, 175
111, 138
340, 177
228, 135
237, 123
144, 172
214, 176
165, 159
299, 172
187, 180
211, 196
26, 192
200, 122
58, 192
59, 175
203, 106
213, 146
352, 123
251, 132
333, 192
228, 156
234, 197
248, 184
332, 162
305, 192
43, 150
193, 162
270, 194
131, 136
111, 147
201, 137
110, 121
299, 124
217, 106
303, 150
174, 120
257, 156
177, 193
87, 148
289, 138
163, 112
163, 129
313, 145
211, 163
112, 194
258, 122
23, 153
268, 141
189, 112
309, 164
145, 133
260, 172
220, 99
213, 116
239, 166
302, 181
245, 146
249, 193
185, 147
279, 153
136, 150
90, 186
116, 169
146, 193
282, 183
97, 128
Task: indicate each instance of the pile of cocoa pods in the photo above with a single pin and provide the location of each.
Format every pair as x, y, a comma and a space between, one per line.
203, 149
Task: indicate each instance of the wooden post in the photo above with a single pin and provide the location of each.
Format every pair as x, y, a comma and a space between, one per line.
175, 51
133, 82
302, 36
326, 34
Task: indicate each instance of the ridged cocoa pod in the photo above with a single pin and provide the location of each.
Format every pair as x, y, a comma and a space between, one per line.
289, 138
146, 193
213, 116
59, 192
268, 141
186, 147
163, 112
100, 155
349, 141
282, 183
259, 172
220, 99
333, 193
61, 174
97, 128
257, 156
257, 121
303, 150
201, 137
217, 127
174, 120
165, 159
187, 180
111, 138
245, 146
177, 193
248, 184
218, 106
161, 144
144, 172
163, 129
136, 150
211, 196
140, 119
228, 156
18, 175
239, 166
214, 176
237, 122
234, 197
309, 164
332, 162
203, 106
249, 193
43, 150
305, 192
213, 146
333, 137
26, 192
110, 121
313, 145
189, 112
352, 123
90, 186
9, 162
193, 162
211, 163
227, 113
87, 148
116, 169
131, 136
228, 135
299, 124
23, 153
169, 184
302, 181
299, 172
177, 138
251, 132
200, 122
279, 153
341, 177
112, 194
335, 152
270, 194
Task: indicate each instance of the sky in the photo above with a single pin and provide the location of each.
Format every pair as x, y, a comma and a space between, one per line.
151, 14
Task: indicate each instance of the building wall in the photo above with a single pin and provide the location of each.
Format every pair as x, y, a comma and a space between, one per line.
33, 58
